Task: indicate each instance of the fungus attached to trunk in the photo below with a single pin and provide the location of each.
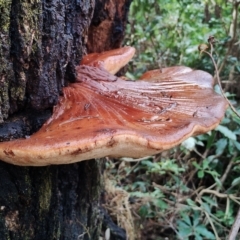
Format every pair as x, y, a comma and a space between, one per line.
103, 115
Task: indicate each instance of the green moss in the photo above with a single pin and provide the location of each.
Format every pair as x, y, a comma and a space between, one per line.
27, 19
45, 194
17, 93
29, 24
4, 100
5, 7
5, 66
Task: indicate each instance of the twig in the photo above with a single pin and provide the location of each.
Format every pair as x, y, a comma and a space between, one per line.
218, 78
228, 169
86, 230
212, 225
233, 197
135, 159
235, 227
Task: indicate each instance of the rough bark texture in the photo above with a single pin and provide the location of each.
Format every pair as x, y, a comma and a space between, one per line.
47, 41
41, 41
6, 69
108, 25
55, 202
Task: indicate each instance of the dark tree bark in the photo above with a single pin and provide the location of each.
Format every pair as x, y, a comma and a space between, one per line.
55, 202
41, 42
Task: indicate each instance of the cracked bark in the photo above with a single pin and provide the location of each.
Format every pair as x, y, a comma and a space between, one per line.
41, 42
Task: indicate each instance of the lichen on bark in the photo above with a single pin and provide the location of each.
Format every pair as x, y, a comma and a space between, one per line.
26, 21
41, 42
6, 71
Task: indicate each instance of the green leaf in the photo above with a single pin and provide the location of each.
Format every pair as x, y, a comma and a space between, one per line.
196, 218
218, 181
237, 131
221, 145
143, 211
152, 166
139, 185
191, 202
161, 204
237, 145
184, 230
205, 163
196, 165
210, 201
197, 237
130, 76
200, 174
226, 132
210, 139
236, 181
206, 207
231, 147
202, 230
186, 218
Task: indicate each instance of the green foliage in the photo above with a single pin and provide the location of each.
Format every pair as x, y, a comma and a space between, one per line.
193, 190
168, 33
5, 6
192, 227
205, 168
163, 167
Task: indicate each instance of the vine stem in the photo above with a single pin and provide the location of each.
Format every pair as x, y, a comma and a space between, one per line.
219, 82
235, 227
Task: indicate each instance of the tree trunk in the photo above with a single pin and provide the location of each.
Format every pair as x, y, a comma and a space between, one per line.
55, 202
41, 42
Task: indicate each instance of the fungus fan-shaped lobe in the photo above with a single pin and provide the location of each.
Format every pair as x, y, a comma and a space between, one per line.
157, 108
102, 115
111, 60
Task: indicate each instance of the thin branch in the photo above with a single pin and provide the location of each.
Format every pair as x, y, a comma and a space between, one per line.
218, 80
235, 227
228, 169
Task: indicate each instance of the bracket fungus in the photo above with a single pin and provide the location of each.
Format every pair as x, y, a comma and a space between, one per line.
103, 115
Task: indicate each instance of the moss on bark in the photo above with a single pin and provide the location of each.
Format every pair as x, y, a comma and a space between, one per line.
6, 71
55, 202
41, 43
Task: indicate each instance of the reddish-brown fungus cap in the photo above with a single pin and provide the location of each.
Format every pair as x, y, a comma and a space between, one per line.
111, 61
102, 115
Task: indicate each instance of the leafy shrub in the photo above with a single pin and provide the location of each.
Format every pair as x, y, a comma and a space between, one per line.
192, 191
